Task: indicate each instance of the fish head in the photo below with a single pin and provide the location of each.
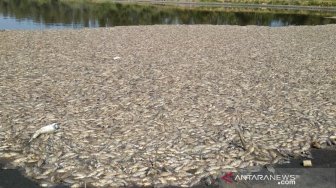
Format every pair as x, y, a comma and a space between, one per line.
56, 126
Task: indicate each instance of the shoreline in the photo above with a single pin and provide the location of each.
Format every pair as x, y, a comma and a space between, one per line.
261, 3
210, 4
230, 5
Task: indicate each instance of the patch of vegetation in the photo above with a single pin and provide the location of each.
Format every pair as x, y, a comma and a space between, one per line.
268, 2
280, 2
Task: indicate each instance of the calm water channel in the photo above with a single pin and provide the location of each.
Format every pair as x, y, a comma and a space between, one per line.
42, 14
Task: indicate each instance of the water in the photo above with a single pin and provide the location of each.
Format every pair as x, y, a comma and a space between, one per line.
43, 14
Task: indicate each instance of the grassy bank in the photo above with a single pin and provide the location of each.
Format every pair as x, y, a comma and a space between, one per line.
271, 2
280, 2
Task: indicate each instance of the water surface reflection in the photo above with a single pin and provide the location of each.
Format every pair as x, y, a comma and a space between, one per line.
27, 14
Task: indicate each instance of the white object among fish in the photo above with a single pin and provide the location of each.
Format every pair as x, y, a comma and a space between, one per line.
307, 163
46, 129
116, 58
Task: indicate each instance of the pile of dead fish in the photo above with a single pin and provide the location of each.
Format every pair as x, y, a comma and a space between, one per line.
178, 105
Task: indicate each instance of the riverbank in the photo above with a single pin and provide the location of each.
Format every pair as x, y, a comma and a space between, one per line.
316, 3
51, 14
163, 105
243, 5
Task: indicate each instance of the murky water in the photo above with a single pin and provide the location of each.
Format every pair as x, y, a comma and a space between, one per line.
30, 14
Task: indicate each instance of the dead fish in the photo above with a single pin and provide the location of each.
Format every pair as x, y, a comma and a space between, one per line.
45, 184
315, 145
9, 155
270, 168
273, 154
41, 177
19, 161
333, 137
3, 148
140, 174
47, 172
46, 129
171, 178
68, 180
143, 169
61, 170
329, 142
244, 165
254, 169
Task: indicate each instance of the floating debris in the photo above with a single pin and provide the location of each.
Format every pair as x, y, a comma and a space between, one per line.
316, 145
307, 163
46, 129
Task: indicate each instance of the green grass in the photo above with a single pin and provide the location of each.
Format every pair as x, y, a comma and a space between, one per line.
280, 2
270, 2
